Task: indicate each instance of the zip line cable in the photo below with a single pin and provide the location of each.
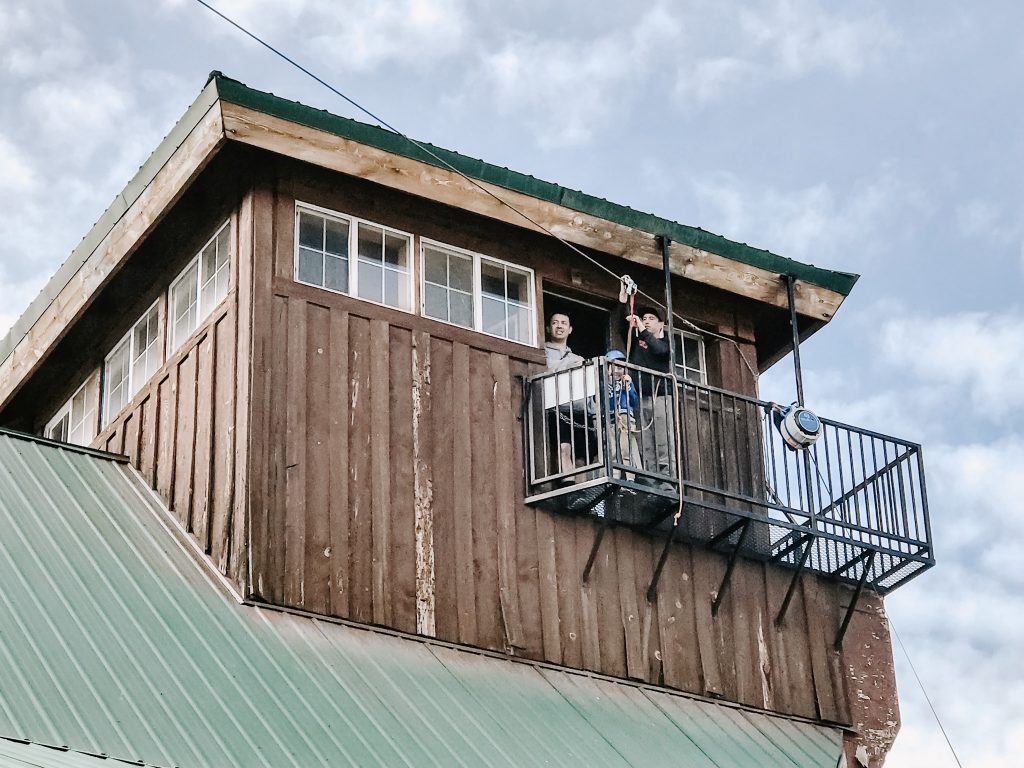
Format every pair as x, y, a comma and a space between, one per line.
428, 151
925, 692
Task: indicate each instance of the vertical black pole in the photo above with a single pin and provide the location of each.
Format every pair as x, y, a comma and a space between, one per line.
790, 280
669, 321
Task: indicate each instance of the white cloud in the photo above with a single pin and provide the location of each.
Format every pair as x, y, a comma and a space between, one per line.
565, 88
815, 223
37, 39
17, 174
80, 111
779, 40
359, 35
977, 357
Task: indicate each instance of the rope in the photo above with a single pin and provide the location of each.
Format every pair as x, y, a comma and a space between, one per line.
447, 165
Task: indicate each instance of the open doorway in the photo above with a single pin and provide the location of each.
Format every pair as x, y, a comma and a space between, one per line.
588, 314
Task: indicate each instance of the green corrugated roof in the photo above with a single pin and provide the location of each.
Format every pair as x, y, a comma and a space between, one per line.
115, 641
237, 93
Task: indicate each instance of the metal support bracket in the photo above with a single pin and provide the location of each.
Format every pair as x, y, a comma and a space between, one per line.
602, 527
717, 602
797, 575
652, 589
869, 561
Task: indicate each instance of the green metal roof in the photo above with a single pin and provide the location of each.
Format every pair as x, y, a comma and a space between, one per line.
235, 92
115, 641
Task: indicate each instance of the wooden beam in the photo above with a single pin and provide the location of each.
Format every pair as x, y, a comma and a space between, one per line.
415, 177
113, 251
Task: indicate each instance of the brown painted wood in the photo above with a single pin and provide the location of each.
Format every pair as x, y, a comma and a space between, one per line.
568, 568
401, 578
184, 440
462, 495
224, 431
504, 500
442, 419
319, 462
359, 465
338, 453
677, 621
706, 573
148, 427
611, 632
481, 434
203, 452
547, 578
380, 481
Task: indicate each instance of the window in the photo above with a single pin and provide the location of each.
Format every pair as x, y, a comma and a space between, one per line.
690, 363
200, 287
130, 364
75, 422
381, 271
478, 292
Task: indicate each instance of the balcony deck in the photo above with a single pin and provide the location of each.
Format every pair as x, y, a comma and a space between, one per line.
852, 507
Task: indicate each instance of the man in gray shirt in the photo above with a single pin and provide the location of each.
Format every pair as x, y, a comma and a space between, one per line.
564, 427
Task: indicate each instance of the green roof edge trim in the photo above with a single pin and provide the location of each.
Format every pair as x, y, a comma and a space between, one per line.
237, 93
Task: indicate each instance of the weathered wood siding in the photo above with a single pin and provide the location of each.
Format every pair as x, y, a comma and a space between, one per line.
387, 487
186, 429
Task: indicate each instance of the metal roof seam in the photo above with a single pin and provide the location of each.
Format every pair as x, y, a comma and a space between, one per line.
159, 653
83, 635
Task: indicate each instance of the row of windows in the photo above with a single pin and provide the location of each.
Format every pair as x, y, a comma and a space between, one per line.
456, 286
200, 287
346, 255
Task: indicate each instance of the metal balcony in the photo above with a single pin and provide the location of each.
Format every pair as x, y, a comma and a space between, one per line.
852, 507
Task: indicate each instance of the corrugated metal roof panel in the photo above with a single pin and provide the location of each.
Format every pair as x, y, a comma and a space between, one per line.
113, 640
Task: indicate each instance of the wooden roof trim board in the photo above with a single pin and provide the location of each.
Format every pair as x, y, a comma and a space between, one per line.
417, 177
228, 110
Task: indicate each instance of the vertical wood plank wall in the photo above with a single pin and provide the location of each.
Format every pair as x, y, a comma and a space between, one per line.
186, 429
364, 424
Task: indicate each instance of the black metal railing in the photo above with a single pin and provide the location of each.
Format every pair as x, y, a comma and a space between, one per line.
601, 436
853, 506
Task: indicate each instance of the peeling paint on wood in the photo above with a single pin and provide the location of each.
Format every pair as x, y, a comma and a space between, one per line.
423, 488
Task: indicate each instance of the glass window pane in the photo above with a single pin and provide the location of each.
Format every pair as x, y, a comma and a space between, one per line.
208, 258
59, 431
519, 323
396, 289
224, 245
691, 348
518, 286
396, 250
371, 282
336, 237
371, 243
461, 308
435, 266
336, 274
311, 267
435, 302
311, 231
493, 316
492, 279
460, 273
78, 406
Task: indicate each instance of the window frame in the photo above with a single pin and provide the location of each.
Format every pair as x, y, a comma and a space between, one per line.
133, 386
202, 313
426, 242
67, 410
681, 367
353, 257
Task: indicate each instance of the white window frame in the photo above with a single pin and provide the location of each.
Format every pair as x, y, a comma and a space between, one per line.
202, 312
681, 367
88, 424
425, 243
353, 255
129, 339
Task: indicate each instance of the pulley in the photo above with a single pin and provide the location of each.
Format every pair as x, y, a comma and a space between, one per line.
800, 428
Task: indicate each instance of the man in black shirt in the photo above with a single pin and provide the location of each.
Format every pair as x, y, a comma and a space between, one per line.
649, 348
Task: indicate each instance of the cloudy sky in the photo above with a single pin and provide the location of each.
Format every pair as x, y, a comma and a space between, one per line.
879, 138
